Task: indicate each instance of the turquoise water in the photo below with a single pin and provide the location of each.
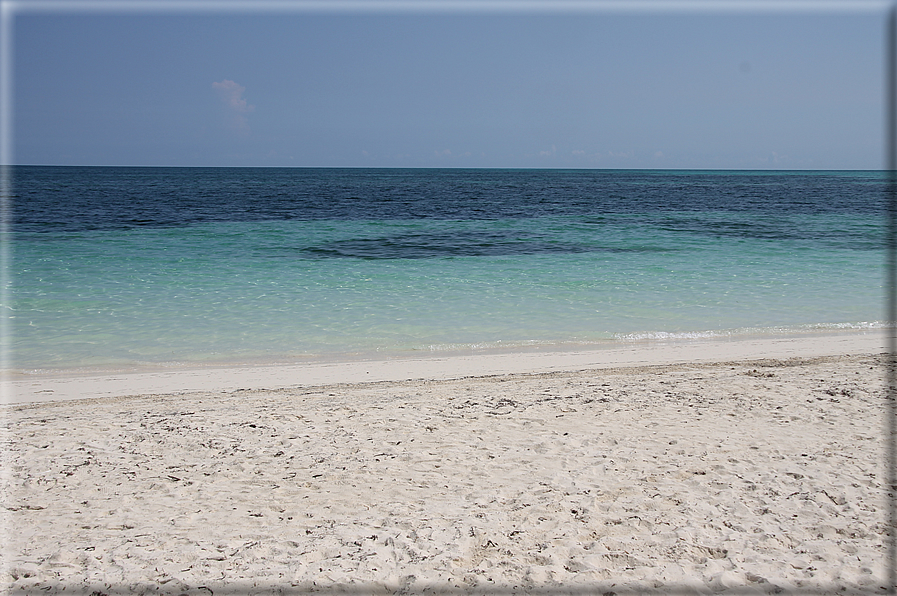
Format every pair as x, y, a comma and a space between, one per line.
89, 294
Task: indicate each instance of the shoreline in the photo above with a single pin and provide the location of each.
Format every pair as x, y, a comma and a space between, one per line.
71, 385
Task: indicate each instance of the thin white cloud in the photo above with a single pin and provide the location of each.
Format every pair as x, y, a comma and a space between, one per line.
231, 95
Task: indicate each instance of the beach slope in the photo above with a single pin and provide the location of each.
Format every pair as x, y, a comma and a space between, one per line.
759, 474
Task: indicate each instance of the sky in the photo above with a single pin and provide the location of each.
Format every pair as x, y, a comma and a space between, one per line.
395, 86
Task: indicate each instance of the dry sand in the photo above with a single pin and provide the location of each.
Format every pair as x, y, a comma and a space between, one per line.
706, 476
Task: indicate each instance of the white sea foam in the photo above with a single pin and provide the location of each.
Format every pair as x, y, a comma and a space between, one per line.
755, 331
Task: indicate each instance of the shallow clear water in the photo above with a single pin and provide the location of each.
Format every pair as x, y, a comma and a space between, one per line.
115, 267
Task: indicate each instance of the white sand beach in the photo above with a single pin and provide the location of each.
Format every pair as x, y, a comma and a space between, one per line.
712, 467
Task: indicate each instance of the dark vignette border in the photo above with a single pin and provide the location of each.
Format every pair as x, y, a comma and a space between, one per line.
890, 429
605, 588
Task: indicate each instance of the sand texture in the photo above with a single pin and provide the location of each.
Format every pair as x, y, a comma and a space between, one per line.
743, 477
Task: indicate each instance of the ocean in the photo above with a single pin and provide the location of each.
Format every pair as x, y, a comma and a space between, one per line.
123, 268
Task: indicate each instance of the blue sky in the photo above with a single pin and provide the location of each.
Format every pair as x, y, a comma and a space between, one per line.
398, 87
